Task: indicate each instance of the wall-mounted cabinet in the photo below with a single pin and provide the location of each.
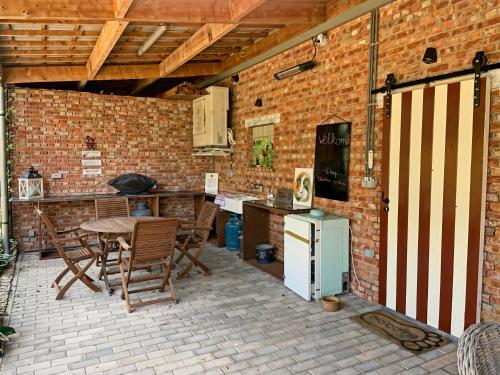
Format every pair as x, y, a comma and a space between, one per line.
210, 118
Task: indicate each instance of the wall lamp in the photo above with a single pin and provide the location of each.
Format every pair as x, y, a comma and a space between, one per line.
430, 56
294, 70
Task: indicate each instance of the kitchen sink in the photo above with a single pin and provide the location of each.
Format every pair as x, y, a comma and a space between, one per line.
234, 202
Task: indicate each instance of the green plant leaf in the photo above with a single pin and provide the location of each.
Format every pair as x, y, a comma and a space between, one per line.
7, 331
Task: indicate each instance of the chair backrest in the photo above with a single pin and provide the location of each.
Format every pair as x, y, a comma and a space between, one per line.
111, 207
52, 232
206, 219
154, 239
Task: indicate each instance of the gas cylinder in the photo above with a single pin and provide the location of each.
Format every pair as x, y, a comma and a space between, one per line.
233, 229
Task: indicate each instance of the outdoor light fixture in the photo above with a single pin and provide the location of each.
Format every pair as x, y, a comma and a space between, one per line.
30, 184
296, 69
235, 78
430, 56
258, 102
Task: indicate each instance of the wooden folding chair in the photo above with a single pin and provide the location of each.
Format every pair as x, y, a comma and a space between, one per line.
71, 257
152, 244
104, 209
194, 235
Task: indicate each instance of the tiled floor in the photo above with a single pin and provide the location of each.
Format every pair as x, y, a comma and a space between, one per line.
239, 320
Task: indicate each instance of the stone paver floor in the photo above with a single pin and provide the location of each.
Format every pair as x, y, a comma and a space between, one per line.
237, 321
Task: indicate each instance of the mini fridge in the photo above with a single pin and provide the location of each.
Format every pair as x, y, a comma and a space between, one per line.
316, 259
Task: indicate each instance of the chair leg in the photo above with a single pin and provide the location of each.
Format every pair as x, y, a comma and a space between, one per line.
166, 270
58, 279
78, 276
194, 262
172, 289
125, 283
86, 279
179, 257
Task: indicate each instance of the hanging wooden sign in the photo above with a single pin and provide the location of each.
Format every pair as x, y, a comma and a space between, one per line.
331, 162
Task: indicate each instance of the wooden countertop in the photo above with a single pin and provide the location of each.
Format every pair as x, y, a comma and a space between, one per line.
91, 197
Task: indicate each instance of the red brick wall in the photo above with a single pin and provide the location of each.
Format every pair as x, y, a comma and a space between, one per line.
142, 135
137, 134
338, 85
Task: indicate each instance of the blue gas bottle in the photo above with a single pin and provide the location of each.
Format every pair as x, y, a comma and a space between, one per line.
233, 229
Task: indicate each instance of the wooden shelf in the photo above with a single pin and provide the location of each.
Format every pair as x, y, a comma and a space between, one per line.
153, 198
275, 268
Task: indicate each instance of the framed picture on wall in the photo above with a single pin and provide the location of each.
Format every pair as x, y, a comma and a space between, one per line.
303, 186
331, 161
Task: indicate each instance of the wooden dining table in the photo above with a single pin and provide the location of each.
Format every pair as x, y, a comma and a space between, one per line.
112, 228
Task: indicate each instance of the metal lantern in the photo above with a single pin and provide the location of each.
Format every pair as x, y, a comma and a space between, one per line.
30, 185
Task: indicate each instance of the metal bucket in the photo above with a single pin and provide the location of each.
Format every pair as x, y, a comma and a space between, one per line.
264, 253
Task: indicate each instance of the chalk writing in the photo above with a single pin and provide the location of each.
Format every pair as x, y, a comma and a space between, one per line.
330, 138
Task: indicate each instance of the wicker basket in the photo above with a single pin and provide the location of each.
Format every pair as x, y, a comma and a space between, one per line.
330, 303
478, 350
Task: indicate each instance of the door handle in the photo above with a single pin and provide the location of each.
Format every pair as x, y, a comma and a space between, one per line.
385, 199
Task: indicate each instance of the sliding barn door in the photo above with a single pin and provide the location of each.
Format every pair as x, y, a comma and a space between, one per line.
433, 205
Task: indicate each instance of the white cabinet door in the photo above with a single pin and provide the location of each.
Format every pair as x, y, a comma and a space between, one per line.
199, 116
297, 260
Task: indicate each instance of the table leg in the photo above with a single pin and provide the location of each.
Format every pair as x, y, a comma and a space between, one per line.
40, 239
104, 271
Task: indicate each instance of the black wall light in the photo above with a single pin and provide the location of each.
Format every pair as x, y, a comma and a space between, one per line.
258, 102
235, 78
430, 56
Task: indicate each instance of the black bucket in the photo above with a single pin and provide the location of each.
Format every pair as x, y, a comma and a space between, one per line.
264, 253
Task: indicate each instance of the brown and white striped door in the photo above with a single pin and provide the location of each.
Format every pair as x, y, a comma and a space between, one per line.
432, 222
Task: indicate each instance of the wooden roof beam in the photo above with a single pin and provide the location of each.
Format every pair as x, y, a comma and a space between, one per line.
67, 73
110, 33
121, 7
168, 11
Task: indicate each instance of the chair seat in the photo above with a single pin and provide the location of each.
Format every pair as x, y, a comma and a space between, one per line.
80, 254
182, 237
138, 264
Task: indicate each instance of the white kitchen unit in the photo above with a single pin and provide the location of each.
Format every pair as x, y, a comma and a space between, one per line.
210, 118
316, 257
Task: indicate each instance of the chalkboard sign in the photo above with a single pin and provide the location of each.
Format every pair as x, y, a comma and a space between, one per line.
331, 163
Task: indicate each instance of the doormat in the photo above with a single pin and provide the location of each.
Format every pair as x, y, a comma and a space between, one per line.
403, 332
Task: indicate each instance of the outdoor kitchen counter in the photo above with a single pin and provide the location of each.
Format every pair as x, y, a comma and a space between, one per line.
91, 197
256, 230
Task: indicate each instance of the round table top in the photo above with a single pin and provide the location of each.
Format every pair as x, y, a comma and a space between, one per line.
120, 224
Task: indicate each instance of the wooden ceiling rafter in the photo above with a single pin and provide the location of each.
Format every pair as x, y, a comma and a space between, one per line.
168, 11
202, 39
109, 36
102, 34
107, 72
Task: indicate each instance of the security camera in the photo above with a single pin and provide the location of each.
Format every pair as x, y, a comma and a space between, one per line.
321, 40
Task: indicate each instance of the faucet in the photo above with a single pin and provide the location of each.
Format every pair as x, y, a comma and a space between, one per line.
255, 186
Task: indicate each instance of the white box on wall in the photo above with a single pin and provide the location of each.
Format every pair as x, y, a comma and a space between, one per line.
210, 118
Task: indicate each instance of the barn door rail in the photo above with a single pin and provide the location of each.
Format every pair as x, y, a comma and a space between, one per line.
435, 78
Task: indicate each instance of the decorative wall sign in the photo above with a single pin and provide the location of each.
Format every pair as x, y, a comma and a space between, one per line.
91, 154
211, 183
302, 186
91, 162
92, 172
331, 163
90, 143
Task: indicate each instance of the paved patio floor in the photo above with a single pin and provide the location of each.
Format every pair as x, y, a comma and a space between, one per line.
237, 321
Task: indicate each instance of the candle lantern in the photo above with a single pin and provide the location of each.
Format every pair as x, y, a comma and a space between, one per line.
30, 185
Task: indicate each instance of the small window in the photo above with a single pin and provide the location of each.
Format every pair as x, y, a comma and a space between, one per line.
263, 146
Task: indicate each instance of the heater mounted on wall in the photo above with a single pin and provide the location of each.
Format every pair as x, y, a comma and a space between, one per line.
294, 70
